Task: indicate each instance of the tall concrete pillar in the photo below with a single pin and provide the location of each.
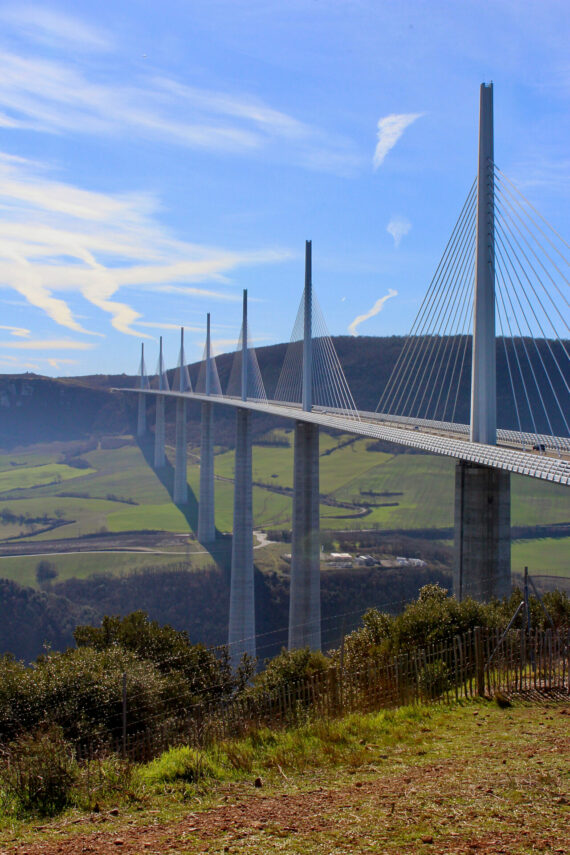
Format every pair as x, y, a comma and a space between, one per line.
159, 434
483, 368
305, 594
141, 413
482, 495
180, 464
241, 636
206, 512
159, 431
482, 567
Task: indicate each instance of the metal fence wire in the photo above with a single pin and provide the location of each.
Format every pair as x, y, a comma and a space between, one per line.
480, 663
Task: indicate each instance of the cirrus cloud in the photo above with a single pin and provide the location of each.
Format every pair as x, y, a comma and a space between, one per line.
390, 129
376, 308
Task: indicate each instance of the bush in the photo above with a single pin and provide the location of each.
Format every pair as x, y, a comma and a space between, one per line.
434, 679
45, 571
289, 669
39, 773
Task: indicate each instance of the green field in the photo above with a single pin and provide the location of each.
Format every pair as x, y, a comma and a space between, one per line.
80, 565
545, 556
120, 492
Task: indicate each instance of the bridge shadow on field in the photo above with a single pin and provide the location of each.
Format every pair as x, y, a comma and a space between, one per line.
166, 477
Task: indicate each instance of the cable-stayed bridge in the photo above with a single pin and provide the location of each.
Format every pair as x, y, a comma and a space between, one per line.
500, 290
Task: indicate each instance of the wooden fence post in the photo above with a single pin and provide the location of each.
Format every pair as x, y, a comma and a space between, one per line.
479, 663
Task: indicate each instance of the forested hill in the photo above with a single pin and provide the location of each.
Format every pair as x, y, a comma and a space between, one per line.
40, 409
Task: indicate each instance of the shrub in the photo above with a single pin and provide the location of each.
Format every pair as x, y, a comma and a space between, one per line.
45, 571
289, 670
39, 773
435, 678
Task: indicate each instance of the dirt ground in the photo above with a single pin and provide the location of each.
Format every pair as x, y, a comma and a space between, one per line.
486, 800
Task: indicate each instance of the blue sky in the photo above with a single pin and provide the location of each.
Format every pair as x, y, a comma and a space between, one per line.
156, 158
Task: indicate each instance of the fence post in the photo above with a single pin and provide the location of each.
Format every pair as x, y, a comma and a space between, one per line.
124, 715
479, 663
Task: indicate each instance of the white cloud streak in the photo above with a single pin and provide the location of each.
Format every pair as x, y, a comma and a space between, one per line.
47, 344
56, 238
398, 227
376, 308
20, 332
54, 97
390, 129
54, 29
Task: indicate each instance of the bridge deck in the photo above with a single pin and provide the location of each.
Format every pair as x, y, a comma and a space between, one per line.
434, 437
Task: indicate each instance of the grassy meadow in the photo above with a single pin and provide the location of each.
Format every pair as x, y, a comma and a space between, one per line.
120, 492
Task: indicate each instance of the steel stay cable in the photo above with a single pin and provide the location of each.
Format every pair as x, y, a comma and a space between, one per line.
441, 317
513, 219
536, 349
392, 380
504, 237
506, 230
501, 281
460, 319
290, 359
543, 335
421, 339
503, 177
510, 372
463, 334
459, 296
344, 395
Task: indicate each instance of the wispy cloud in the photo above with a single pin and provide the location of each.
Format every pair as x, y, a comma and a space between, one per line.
47, 344
390, 129
377, 307
20, 332
43, 95
398, 227
57, 238
55, 29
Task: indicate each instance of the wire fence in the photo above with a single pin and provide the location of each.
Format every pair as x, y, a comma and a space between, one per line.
480, 663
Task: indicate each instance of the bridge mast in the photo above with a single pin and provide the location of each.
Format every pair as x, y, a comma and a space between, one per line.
305, 592
180, 492
141, 414
159, 458
482, 567
206, 521
484, 370
241, 636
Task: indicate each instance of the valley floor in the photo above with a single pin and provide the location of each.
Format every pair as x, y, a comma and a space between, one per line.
472, 778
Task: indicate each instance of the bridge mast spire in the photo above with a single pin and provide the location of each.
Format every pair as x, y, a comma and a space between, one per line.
308, 332
244, 348
483, 373
241, 637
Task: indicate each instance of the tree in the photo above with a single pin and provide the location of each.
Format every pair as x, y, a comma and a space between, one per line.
45, 571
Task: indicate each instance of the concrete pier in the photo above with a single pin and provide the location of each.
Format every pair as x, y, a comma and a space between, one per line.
241, 636
180, 464
482, 566
159, 457
159, 430
180, 474
206, 521
141, 412
305, 594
